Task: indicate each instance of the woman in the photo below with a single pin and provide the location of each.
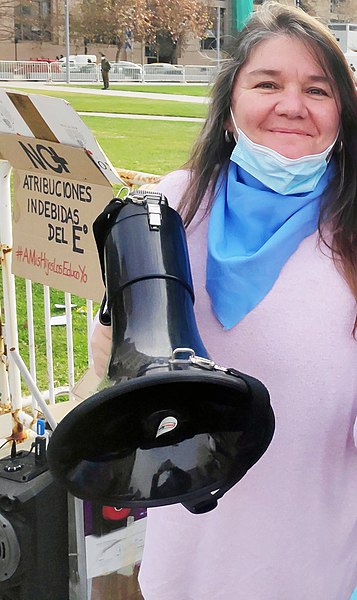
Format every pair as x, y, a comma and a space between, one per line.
269, 198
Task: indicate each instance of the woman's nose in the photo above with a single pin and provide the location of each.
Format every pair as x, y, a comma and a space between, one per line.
291, 104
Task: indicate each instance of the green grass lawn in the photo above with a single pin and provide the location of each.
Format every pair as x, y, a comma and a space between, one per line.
182, 89
59, 344
187, 89
142, 145
141, 106
126, 105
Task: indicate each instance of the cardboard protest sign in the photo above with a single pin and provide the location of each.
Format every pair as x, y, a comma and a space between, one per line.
10, 120
58, 193
54, 119
62, 181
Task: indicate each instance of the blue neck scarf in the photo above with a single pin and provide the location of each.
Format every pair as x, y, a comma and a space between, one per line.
252, 232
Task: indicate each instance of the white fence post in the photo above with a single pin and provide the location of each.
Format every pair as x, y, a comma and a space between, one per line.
4, 380
8, 280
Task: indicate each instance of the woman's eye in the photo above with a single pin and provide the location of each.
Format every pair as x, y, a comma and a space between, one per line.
268, 85
317, 91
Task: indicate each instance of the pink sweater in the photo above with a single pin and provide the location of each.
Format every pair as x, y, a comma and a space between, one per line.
288, 529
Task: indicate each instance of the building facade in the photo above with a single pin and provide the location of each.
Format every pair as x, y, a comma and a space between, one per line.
38, 31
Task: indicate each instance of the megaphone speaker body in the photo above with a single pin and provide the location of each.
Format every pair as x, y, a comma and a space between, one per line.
167, 424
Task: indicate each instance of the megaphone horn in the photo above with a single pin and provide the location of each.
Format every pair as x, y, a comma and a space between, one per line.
167, 425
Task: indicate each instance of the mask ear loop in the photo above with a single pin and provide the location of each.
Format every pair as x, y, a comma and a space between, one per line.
235, 135
336, 146
342, 163
233, 119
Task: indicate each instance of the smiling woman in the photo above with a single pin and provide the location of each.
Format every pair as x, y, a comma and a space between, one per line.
269, 200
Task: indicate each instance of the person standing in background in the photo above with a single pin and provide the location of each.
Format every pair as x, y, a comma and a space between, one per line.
105, 67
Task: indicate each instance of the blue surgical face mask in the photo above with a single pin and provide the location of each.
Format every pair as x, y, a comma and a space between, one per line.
281, 174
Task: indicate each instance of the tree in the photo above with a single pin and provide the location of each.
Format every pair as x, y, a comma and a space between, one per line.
27, 20
173, 19
148, 21
7, 13
33, 20
109, 21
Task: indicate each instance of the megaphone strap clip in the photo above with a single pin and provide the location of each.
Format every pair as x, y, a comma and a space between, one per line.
206, 363
152, 201
192, 359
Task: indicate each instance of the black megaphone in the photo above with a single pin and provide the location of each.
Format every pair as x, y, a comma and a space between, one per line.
167, 425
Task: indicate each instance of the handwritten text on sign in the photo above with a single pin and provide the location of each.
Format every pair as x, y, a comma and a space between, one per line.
58, 215
59, 192
51, 265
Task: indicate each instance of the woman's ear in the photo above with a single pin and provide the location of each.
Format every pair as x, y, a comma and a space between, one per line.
228, 125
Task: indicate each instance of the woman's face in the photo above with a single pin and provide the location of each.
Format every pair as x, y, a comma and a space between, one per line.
282, 99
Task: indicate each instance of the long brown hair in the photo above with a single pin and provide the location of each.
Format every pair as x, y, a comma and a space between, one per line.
211, 151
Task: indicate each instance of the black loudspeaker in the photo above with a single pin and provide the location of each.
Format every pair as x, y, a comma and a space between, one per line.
167, 424
33, 540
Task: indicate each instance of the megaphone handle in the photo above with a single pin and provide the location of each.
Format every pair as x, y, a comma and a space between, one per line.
104, 314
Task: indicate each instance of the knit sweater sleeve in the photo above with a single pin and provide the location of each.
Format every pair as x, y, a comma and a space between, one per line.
173, 186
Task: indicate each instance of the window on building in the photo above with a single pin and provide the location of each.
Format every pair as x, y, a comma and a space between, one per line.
210, 41
33, 22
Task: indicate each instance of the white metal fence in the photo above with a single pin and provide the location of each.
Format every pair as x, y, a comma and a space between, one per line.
22, 399
89, 577
121, 71
20, 394
16, 374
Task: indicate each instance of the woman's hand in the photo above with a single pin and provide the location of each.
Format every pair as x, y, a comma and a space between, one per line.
101, 343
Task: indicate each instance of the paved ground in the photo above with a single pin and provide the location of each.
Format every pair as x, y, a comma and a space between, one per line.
149, 117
